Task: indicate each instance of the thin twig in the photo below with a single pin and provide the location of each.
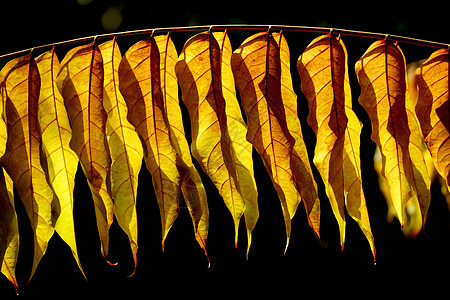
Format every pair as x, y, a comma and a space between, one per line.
357, 33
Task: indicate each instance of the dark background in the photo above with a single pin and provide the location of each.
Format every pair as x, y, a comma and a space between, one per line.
403, 265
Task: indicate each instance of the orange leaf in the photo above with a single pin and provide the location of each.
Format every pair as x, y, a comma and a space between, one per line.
22, 159
382, 75
80, 81
257, 69
299, 156
433, 109
140, 84
191, 184
218, 131
324, 76
124, 146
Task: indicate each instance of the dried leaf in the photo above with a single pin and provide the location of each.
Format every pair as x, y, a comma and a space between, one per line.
300, 164
191, 184
124, 146
433, 109
140, 84
80, 81
9, 231
257, 70
22, 159
61, 162
382, 75
218, 130
324, 76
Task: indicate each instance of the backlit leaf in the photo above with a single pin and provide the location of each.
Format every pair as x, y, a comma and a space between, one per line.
61, 162
80, 81
22, 159
124, 146
324, 76
140, 84
257, 70
218, 130
433, 109
299, 156
9, 231
191, 184
384, 95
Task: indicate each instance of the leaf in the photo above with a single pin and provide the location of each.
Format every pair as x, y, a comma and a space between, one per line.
257, 70
61, 162
80, 81
9, 231
433, 109
124, 146
324, 75
140, 85
382, 75
22, 158
191, 184
300, 165
218, 130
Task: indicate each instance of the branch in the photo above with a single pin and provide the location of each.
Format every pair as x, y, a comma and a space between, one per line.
356, 33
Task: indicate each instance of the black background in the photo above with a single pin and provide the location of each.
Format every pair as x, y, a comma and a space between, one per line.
308, 267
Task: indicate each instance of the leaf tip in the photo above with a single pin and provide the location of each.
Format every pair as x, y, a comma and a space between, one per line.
287, 245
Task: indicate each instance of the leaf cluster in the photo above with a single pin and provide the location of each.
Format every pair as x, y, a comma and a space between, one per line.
109, 113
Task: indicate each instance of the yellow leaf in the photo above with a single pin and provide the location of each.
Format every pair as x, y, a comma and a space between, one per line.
140, 84
191, 184
300, 164
22, 159
413, 217
61, 161
80, 81
433, 109
9, 231
324, 75
3, 131
384, 95
218, 130
257, 69
124, 146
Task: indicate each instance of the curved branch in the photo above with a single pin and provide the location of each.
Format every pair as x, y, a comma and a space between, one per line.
348, 32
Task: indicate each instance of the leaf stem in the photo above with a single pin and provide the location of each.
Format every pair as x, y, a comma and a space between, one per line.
357, 33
